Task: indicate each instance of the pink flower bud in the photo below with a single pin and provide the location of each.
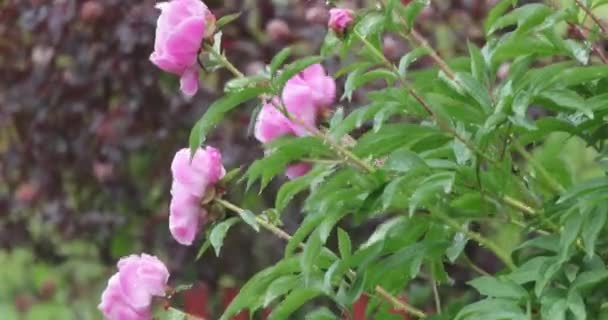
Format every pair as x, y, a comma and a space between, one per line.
278, 30
192, 179
180, 29
340, 19
129, 292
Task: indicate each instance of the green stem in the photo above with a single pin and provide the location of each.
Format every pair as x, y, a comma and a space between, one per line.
436, 296
491, 245
224, 61
398, 304
261, 221
518, 205
591, 15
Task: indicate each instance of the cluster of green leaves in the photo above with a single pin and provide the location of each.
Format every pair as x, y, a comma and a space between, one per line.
477, 157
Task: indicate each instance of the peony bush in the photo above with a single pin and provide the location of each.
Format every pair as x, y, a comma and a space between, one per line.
438, 162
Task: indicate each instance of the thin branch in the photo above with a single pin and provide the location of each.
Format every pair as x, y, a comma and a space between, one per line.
398, 304
436, 296
591, 15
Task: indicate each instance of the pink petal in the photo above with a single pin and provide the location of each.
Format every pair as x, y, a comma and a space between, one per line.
184, 42
184, 218
297, 170
271, 124
186, 175
189, 81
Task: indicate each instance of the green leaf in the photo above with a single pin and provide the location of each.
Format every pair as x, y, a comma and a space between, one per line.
331, 43
479, 67
310, 254
496, 12
410, 58
218, 233
404, 160
579, 75
292, 302
215, 114
347, 297
498, 288
238, 84
372, 23
279, 59
412, 10
291, 188
553, 308
590, 279
431, 189
252, 294
321, 313
458, 245
572, 227
361, 77
203, 249
221, 22
492, 309
526, 17
175, 314
311, 221
279, 287
250, 218
344, 244
476, 90
283, 152
577, 305
592, 226
290, 70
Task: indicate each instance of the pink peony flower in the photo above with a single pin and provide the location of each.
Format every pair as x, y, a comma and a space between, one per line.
340, 19
129, 293
311, 86
205, 169
180, 29
192, 179
306, 96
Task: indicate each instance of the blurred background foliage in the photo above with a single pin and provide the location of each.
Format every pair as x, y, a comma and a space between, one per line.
88, 127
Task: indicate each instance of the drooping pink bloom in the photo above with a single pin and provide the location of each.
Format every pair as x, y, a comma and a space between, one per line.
306, 96
340, 19
181, 27
192, 179
129, 293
